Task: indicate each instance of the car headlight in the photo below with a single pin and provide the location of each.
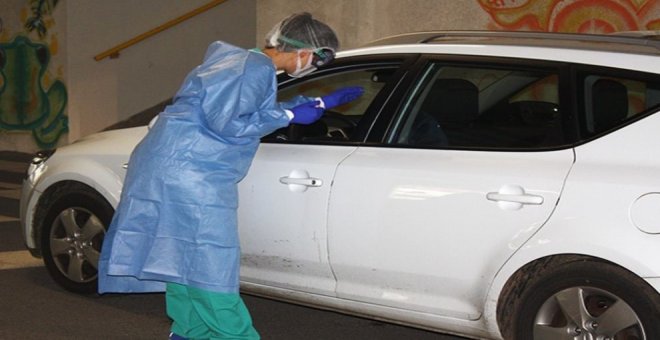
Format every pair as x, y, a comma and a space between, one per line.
37, 165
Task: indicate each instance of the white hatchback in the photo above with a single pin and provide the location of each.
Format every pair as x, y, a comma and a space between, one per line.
488, 184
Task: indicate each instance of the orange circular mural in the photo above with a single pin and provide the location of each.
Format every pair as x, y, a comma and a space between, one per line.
574, 16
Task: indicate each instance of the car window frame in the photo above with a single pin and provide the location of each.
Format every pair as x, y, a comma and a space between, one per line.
400, 60
578, 72
388, 127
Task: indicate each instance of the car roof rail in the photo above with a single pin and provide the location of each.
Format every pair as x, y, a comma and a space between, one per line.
646, 38
649, 39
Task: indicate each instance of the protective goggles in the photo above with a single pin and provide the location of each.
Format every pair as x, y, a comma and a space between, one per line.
322, 55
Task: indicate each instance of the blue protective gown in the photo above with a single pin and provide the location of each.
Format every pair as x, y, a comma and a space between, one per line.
176, 220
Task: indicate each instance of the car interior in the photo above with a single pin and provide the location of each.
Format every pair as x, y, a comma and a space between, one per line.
508, 109
339, 123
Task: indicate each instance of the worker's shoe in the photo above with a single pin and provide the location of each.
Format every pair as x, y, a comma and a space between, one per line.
174, 336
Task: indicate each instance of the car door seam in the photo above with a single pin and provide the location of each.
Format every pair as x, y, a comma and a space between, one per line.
327, 214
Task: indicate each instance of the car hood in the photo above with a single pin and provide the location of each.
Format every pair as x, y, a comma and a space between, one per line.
121, 141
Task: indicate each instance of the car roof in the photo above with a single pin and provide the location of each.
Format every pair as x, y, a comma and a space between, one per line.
636, 42
635, 51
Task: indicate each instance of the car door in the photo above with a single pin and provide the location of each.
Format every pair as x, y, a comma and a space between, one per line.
283, 199
472, 166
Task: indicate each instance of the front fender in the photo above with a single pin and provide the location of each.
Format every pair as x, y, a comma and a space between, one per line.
106, 179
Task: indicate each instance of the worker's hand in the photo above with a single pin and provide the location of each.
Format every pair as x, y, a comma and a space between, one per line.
307, 113
342, 96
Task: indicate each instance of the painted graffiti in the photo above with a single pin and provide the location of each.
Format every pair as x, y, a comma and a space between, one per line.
24, 102
40, 9
576, 16
30, 99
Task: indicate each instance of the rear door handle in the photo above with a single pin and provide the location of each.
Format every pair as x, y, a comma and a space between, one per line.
513, 197
522, 199
309, 182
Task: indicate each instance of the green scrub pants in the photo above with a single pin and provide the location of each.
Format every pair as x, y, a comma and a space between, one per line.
201, 314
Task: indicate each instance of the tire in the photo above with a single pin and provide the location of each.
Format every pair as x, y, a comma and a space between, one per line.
76, 218
584, 298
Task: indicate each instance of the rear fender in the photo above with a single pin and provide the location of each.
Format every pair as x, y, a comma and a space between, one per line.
542, 246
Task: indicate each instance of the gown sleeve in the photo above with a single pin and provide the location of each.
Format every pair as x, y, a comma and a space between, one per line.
243, 104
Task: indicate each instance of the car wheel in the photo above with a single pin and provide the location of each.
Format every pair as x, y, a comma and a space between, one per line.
586, 299
76, 218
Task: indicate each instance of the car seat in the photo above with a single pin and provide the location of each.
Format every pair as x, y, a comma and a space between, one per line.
609, 104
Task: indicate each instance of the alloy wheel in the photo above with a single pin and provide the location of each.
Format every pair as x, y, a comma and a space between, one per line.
587, 313
75, 240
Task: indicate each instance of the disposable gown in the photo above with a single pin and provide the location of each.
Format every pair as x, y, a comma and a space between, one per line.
176, 221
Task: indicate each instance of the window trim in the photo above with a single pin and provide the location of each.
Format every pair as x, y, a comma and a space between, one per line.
579, 72
395, 109
346, 65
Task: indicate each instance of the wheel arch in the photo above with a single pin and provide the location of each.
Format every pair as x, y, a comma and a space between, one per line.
512, 282
105, 182
515, 285
74, 199
41, 209
622, 247
42, 204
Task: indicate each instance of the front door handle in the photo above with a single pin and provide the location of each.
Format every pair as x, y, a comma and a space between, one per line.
513, 197
299, 181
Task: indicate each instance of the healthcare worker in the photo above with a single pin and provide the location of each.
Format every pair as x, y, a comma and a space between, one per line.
175, 227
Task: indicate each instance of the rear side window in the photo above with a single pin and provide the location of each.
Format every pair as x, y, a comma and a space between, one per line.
481, 107
610, 101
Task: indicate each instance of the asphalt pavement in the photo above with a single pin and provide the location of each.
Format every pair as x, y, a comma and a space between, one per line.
32, 306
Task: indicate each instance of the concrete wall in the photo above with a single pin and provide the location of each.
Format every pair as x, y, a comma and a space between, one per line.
84, 95
94, 94
102, 93
358, 22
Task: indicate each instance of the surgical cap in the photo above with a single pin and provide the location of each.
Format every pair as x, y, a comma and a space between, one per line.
301, 31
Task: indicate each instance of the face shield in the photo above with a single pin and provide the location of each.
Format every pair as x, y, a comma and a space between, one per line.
320, 56
301, 32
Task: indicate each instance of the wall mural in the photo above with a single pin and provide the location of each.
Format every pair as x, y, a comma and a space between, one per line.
30, 100
578, 16
575, 16
40, 10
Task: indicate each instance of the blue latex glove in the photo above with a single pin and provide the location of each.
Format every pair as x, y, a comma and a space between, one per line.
342, 96
307, 113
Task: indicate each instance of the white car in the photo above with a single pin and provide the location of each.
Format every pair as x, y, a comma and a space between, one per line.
488, 184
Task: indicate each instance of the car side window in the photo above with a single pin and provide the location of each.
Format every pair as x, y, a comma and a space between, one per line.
339, 123
609, 102
480, 107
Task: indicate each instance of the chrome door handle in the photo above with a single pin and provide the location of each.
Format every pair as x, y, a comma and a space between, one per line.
300, 181
522, 199
309, 182
513, 197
